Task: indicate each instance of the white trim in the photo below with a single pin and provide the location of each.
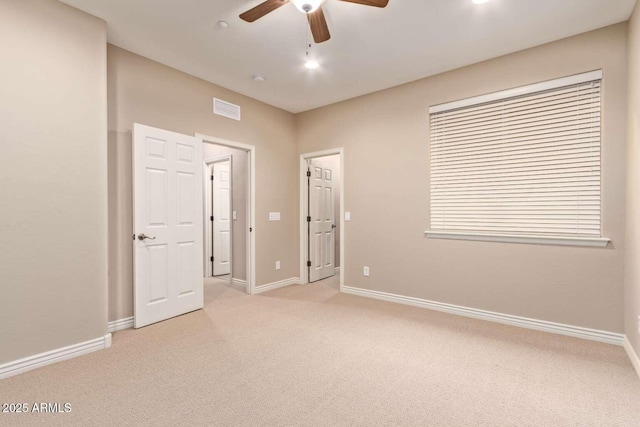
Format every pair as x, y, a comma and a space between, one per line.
251, 203
225, 142
39, 360
523, 322
217, 159
118, 325
239, 282
275, 285
535, 240
519, 91
303, 208
633, 356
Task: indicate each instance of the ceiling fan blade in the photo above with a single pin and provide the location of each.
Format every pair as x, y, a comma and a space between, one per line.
375, 3
319, 27
262, 9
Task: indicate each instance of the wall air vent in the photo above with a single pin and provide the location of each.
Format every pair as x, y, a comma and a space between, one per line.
226, 109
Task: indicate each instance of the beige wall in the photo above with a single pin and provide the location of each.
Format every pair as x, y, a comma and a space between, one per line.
632, 276
385, 137
53, 201
53, 222
239, 200
147, 92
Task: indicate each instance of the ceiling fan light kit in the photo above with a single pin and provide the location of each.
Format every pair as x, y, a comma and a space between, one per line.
313, 10
311, 64
307, 6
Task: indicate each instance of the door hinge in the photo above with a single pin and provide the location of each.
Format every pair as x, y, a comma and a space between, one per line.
211, 177
308, 263
308, 173
134, 237
211, 217
211, 259
308, 219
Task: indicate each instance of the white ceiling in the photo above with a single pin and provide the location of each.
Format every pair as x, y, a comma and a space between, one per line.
371, 49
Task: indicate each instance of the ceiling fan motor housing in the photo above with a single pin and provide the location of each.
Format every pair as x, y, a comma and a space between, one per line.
313, 10
307, 6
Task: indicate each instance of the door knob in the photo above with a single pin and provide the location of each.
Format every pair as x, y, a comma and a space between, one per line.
142, 236
333, 226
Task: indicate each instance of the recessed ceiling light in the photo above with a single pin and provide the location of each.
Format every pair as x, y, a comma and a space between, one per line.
311, 64
258, 78
223, 24
480, 1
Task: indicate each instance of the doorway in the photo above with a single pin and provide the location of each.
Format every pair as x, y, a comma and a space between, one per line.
322, 211
219, 212
229, 212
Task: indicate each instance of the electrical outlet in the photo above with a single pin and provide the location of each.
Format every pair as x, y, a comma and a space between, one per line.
277, 265
366, 271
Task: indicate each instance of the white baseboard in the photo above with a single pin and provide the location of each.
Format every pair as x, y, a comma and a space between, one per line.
633, 356
43, 359
275, 285
118, 325
523, 322
239, 282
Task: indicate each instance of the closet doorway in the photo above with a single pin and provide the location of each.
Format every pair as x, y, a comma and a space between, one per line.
229, 212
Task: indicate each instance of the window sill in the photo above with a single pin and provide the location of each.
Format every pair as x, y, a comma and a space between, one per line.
593, 242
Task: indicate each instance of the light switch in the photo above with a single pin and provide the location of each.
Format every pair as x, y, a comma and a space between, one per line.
274, 216
235, 215
347, 216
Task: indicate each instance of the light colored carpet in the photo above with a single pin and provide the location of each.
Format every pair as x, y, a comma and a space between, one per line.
308, 355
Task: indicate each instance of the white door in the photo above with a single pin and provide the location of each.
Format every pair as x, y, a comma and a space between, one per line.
221, 218
168, 270
322, 224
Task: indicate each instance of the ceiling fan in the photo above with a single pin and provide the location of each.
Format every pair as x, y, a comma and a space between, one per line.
313, 10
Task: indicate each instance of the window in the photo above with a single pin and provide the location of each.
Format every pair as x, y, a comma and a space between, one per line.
522, 165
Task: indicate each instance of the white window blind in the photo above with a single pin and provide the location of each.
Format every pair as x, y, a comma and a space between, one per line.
524, 162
